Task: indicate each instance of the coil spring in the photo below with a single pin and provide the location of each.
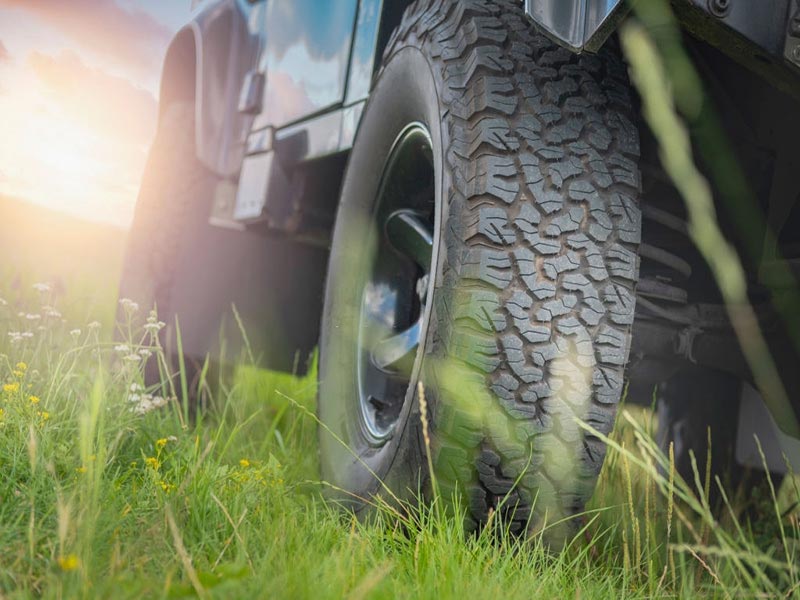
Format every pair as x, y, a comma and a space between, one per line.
664, 275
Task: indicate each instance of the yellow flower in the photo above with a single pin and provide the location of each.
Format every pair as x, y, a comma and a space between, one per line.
11, 388
34, 399
2, 413
167, 487
17, 374
80, 470
70, 562
152, 462
43, 414
21, 366
161, 443
244, 463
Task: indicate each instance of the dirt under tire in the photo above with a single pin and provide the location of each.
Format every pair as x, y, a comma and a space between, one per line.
537, 226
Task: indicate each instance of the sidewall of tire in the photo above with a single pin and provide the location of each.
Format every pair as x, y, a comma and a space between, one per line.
404, 94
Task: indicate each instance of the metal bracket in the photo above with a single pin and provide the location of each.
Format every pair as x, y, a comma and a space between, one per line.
580, 25
791, 49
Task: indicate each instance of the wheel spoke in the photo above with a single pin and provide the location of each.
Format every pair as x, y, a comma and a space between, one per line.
390, 351
411, 236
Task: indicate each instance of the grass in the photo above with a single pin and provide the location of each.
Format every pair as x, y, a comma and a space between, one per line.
111, 490
97, 500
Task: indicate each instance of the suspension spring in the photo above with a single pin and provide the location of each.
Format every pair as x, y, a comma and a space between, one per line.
664, 272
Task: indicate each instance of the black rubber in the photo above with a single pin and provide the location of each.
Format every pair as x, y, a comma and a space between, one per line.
692, 405
533, 302
175, 190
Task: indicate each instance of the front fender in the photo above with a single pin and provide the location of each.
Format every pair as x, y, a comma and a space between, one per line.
580, 25
223, 49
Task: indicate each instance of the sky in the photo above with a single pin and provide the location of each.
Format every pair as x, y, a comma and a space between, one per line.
78, 109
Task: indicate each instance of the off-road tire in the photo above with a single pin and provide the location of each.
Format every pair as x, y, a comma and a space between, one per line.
534, 286
171, 214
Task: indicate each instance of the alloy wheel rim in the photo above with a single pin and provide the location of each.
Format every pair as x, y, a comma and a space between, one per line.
396, 294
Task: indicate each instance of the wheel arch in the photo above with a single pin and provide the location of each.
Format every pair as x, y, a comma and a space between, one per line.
205, 63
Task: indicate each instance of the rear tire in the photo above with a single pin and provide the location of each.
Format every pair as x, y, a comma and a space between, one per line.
536, 235
171, 212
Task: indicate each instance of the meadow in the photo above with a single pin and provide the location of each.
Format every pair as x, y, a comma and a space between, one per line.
111, 490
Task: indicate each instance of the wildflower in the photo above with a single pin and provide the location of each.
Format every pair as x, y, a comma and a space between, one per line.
51, 312
244, 463
18, 336
11, 388
3, 302
122, 349
41, 287
2, 413
152, 462
148, 403
153, 325
33, 317
135, 387
43, 415
70, 562
34, 399
160, 443
172, 438
129, 305
80, 469
167, 487
75, 333
145, 353
18, 374
21, 366
93, 325
132, 357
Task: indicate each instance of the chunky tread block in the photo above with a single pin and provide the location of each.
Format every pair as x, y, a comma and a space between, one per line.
537, 296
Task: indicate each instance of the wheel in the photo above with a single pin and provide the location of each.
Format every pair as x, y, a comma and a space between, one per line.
169, 216
486, 246
194, 272
692, 405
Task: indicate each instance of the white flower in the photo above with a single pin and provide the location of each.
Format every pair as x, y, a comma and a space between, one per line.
49, 311
135, 387
132, 357
33, 317
154, 327
148, 403
129, 305
75, 333
122, 349
41, 287
93, 325
3, 302
145, 353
